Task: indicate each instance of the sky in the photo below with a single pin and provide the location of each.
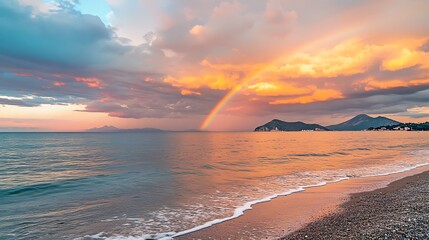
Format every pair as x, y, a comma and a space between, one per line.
214, 65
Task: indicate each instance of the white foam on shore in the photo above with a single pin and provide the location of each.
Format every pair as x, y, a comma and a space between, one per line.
101, 235
239, 211
399, 171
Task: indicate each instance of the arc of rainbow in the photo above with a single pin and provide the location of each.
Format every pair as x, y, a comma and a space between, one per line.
224, 101
220, 105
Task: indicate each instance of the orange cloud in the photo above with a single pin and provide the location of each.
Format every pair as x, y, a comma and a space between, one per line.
277, 89
406, 58
303, 77
224, 67
348, 58
217, 82
318, 95
354, 57
197, 30
374, 84
189, 92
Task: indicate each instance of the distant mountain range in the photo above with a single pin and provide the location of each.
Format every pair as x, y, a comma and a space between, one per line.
115, 129
362, 122
278, 125
108, 128
358, 123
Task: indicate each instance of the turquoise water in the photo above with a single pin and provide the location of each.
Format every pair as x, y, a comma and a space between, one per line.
152, 185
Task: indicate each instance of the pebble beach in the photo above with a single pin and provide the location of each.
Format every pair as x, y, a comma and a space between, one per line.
398, 211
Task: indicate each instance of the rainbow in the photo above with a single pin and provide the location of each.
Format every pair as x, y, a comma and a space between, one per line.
229, 96
220, 105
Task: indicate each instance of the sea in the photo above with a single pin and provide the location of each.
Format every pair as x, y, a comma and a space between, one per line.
123, 186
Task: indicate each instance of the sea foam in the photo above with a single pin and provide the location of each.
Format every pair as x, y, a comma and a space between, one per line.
240, 210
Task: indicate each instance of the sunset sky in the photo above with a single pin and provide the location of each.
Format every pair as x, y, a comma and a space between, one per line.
212, 65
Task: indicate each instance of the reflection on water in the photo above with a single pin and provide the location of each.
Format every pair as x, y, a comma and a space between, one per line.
69, 185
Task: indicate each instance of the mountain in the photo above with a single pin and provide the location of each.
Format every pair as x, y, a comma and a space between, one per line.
115, 129
103, 129
142, 130
362, 122
278, 125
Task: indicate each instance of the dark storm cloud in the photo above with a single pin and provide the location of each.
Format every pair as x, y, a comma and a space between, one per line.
57, 41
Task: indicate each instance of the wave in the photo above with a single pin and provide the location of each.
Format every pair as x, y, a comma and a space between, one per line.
38, 188
398, 171
318, 154
239, 211
48, 187
359, 149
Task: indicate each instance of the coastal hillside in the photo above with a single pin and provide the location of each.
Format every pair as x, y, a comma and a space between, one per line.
403, 127
363, 122
278, 125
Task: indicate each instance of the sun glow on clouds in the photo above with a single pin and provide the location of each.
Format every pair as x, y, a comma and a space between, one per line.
277, 89
197, 30
299, 74
46, 116
294, 95
347, 58
90, 82
319, 95
406, 58
192, 59
424, 110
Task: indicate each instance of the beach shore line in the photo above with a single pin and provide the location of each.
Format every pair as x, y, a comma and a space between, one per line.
398, 211
286, 215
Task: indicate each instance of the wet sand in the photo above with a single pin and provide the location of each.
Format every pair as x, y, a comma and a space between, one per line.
283, 215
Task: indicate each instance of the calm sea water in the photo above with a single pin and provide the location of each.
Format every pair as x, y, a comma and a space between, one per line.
152, 185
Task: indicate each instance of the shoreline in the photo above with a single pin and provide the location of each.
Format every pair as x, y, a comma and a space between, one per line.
397, 211
261, 220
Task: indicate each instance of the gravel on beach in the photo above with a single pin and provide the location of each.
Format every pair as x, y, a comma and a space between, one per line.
398, 211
